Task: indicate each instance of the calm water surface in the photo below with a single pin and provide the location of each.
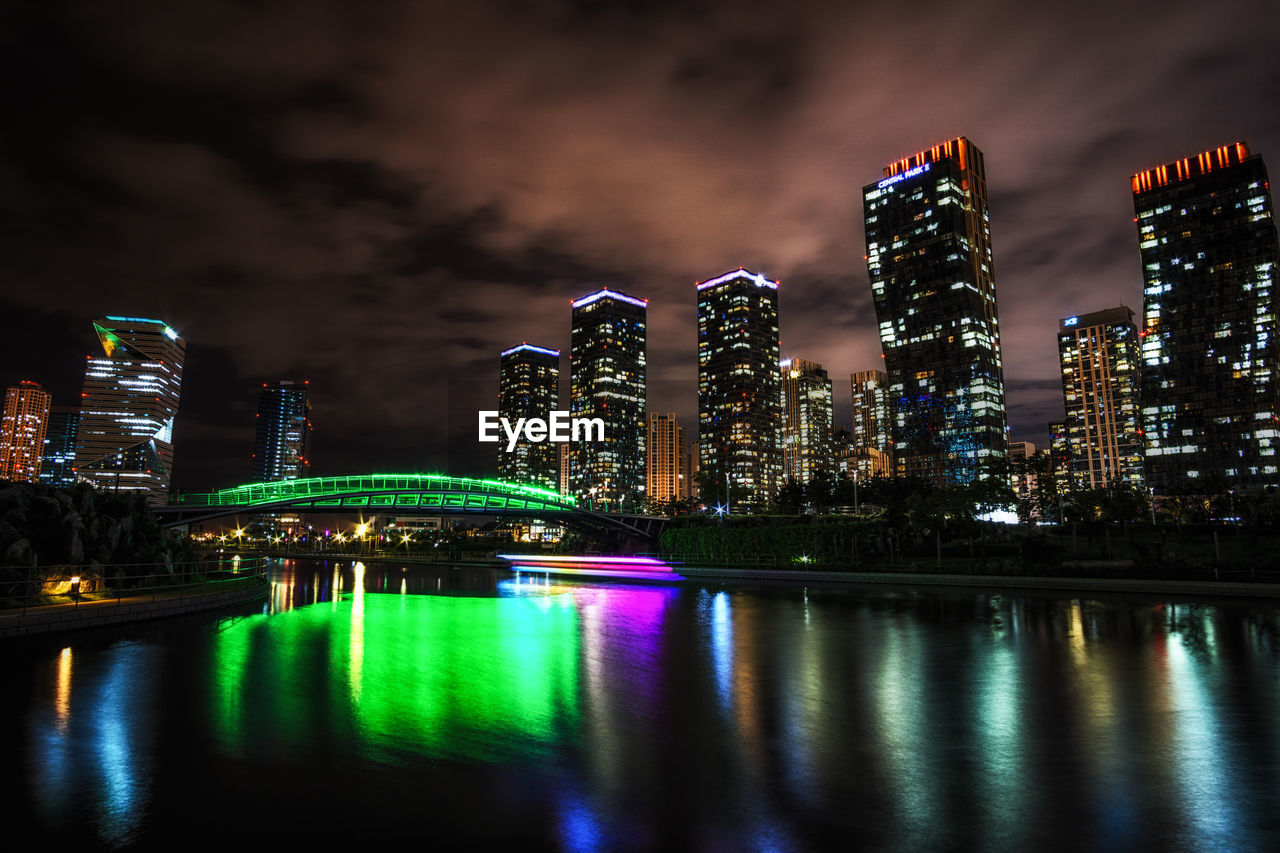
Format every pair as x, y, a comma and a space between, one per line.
464, 708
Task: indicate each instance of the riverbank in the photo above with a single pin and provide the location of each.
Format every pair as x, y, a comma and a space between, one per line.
137, 607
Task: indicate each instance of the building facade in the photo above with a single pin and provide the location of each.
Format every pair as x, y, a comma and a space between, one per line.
282, 440
1099, 357
932, 281
127, 410
868, 389
667, 461
807, 437
1207, 241
57, 467
22, 432
529, 387
739, 385
607, 380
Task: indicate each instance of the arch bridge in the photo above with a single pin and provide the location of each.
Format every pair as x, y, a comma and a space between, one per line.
415, 494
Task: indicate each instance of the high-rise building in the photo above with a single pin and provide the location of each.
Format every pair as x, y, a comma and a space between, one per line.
282, 441
22, 431
58, 459
739, 385
607, 375
1207, 240
1060, 458
871, 416
529, 387
667, 472
807, 448
932, 282
130, 400
1099, 358
565, 480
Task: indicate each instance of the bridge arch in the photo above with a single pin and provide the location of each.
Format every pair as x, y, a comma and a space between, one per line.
407, 494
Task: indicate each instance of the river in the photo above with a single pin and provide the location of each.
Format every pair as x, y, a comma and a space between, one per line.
466, 707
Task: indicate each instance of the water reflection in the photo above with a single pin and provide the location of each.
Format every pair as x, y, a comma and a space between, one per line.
685, 717
93, 751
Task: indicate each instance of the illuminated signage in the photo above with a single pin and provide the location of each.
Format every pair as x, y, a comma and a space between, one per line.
1071, 321
902, 176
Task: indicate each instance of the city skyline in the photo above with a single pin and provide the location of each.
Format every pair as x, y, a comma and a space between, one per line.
336, 208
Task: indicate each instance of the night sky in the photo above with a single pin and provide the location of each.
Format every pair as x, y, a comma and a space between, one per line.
379, 197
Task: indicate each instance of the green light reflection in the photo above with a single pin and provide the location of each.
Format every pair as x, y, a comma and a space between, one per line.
391, 677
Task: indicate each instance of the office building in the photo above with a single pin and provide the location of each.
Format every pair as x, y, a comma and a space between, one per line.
22, 432
529, 387
1207, 242
807, 438
868, 389
57, 465
739, 385
667, 471
130, 400
1060, 458
607, 375
282, 440
1099, 358
932, 282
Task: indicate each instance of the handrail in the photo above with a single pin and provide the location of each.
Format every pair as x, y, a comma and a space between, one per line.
194, 580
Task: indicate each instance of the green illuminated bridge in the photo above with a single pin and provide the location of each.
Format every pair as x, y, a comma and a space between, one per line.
412, 494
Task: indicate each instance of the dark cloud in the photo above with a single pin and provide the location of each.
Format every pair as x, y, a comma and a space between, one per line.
379, 196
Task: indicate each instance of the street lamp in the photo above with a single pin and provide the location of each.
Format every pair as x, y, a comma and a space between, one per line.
1153, 506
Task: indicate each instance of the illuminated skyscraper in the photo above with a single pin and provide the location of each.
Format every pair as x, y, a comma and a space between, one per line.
1060, 458
1207, 238
1099, 358
130, 399
529, 387
871, 417
739, 384
929, 259
57, 466
807, 441
22, 431
607, 381
282, 441
667, 477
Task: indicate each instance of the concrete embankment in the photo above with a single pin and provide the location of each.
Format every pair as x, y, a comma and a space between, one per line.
94, 614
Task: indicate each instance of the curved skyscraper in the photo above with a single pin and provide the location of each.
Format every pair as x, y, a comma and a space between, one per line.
932, 281
130, 399
1210, 390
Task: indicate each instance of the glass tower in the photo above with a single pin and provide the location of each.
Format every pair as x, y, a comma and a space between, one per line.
1207, 239
1098, 354
807, 439
282, 440
607, 381
929, 259
529, 387
57, 467
130, 399
739, 384
22, 432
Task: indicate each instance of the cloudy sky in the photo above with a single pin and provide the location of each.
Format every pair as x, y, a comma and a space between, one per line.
379, 197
